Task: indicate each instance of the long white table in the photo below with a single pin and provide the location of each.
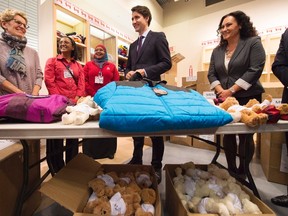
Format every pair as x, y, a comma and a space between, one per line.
91, 129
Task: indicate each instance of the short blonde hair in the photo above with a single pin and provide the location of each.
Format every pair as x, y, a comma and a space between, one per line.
9, 14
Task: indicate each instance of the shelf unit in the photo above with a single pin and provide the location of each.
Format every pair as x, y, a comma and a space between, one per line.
122, 54
66, 23
271, 45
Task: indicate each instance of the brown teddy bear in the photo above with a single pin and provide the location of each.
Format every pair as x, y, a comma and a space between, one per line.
126, 178
245, 113
98, 186
132, 201
143, 179
102, 208
148, 196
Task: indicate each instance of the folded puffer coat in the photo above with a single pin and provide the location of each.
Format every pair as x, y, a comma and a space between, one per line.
138, 106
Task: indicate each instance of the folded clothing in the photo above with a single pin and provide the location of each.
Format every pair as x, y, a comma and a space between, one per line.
138, 106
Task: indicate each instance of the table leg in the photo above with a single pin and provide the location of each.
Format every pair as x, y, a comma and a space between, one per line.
24, 186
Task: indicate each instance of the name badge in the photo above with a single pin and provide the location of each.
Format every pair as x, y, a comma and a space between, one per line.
99, 79
67, 74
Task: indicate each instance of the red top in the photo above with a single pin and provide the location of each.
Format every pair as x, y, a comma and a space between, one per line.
59, 81
91, 71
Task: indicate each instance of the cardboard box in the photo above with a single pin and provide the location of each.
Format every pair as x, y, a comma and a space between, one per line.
187, 83
182, 140
275, 89
174, 205
201, 87
148, 141
271, 149
11, 178
202, 77
203, 145
70, 186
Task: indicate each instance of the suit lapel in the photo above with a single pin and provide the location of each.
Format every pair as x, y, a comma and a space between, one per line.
238, 49
145, 44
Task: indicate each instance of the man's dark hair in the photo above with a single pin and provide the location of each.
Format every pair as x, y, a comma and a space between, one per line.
144, 11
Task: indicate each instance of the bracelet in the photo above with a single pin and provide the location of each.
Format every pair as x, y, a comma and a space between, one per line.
232, 90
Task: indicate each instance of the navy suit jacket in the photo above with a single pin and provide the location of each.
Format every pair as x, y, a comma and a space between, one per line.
154, 56
280, 65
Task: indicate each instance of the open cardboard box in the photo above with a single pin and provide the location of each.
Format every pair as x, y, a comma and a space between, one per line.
69, 187
174, 205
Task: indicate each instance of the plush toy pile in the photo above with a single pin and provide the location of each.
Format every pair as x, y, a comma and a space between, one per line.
254, 113
126, 193
122, 50
81, 112
212, 191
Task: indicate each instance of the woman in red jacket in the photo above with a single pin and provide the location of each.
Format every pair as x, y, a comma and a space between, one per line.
64, 76
98, 73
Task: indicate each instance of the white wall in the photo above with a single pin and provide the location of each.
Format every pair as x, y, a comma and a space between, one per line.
117, 13
188, 36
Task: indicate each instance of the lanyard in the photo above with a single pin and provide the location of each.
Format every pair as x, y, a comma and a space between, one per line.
68, 68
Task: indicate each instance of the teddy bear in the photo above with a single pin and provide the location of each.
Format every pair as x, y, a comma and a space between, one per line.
98, 186
220, 193
245, 113
145, 210
126, 178
143, 178
132, 201
102, 208
114, 206
81, 112
148, 196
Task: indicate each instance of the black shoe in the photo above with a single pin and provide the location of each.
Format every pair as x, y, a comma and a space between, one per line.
111, 156
158, 174
280, 200
135, 162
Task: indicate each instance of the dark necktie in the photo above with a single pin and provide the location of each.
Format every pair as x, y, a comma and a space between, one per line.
139, 45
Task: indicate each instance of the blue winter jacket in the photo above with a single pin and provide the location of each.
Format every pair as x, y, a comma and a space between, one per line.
137, 107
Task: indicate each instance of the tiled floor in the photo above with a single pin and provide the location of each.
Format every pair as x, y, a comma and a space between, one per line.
175, 154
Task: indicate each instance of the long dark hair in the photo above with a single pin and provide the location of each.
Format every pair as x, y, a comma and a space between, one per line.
74, 53
247, 29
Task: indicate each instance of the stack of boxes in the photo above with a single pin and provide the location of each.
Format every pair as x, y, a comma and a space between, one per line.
11, 178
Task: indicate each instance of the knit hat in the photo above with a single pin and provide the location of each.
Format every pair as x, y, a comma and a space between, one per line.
102, 46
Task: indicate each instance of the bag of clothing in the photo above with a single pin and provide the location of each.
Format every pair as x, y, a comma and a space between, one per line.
41, 109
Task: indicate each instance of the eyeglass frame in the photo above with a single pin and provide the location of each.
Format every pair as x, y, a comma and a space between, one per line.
19, 23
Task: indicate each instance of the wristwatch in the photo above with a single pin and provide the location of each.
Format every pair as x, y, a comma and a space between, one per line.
232, 90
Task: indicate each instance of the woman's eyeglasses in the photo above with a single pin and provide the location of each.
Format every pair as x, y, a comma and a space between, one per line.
19, 23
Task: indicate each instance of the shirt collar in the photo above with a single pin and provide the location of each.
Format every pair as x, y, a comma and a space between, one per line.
145, 33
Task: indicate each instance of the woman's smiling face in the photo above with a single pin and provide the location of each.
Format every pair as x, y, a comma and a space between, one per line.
16, 27
99, 52
65, 45
230, 28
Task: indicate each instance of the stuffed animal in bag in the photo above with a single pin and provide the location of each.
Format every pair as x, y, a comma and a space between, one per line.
81, 112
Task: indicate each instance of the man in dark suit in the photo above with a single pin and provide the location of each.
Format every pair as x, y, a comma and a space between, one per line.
150, 56
280, 69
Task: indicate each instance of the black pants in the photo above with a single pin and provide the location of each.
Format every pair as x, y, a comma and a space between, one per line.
157, 150
54, 152
246, 145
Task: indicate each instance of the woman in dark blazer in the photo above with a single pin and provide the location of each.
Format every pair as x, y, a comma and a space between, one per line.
235, 68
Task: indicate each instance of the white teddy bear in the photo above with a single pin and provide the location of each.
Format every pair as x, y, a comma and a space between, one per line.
80, 113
